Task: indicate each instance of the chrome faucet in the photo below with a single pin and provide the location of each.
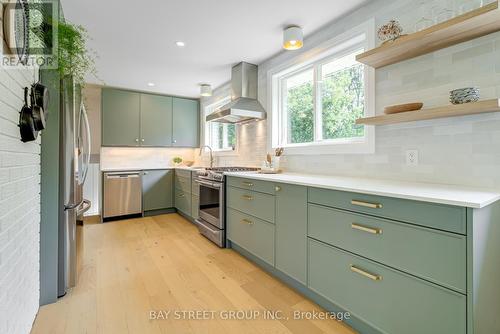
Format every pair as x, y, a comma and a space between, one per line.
211, 155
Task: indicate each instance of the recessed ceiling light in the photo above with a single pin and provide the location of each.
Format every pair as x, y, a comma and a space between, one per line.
180, 44
205, 90
151, 84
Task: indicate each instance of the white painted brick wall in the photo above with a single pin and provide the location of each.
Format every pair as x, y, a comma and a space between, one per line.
462, 150
19, 211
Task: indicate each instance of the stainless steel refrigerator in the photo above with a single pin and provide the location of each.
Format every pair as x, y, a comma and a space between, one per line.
74, 159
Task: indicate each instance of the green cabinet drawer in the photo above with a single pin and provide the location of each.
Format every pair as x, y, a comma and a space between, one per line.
291, 231
434, 255
183, 183
257, 204
249, 184
391, 301
183, 173
254, 235
183, 201
195, 207
439, 216
157, 189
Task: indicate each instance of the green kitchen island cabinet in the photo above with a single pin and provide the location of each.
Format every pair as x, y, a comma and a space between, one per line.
186, 123
149, 120
120, 117
398, 263
157, 189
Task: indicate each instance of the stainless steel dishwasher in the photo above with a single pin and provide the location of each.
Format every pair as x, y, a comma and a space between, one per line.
122, 194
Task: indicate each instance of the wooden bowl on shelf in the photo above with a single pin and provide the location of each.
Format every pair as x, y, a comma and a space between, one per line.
403, 108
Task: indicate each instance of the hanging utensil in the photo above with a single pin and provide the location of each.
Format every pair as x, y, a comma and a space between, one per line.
41, 95
37, 112
26, 123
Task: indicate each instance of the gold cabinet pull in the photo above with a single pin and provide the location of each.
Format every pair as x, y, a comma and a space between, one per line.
248, 184
362, 272
181, 195
277, 188
367, 204
246, 221
367, 229
248, 198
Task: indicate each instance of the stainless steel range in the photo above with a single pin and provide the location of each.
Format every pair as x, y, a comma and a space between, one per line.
212, 216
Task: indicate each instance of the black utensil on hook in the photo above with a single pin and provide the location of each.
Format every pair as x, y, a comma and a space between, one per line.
26, 123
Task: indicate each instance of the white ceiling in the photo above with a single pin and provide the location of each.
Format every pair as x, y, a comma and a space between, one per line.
135, 40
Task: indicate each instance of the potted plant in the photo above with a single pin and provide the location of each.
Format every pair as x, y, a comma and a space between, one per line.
177, 161
75, 59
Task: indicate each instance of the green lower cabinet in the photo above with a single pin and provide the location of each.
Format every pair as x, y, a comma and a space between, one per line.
291, 231
253, 234
195, 207
183, 201
157, 189
399, 245
388, 300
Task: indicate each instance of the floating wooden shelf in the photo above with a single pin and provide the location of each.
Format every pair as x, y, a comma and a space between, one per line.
477, 23
439, 112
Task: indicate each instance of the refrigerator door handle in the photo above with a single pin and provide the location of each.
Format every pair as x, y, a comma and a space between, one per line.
86, 205
89, 141
72, 206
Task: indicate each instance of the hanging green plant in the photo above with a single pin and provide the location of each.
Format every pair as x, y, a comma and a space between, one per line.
75, 58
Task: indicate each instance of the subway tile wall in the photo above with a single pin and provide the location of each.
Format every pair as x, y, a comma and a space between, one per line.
19, 210
463, 150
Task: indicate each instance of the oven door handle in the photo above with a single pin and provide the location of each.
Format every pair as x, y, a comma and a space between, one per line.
208, 184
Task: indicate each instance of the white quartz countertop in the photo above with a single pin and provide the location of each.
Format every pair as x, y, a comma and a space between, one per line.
426, 192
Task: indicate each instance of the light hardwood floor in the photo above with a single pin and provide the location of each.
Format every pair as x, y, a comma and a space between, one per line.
131, 267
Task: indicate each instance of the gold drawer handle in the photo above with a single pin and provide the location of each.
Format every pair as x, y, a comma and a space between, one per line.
248, 184
246, 221
371, 276
367, 204
366, 229
248, 198
181, 195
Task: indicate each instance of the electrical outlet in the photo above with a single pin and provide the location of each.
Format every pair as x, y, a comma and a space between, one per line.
412, 158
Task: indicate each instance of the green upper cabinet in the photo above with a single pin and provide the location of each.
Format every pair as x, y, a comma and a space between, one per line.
137, 119
158, 189
186, 119
120, 118
291, 230
156, 120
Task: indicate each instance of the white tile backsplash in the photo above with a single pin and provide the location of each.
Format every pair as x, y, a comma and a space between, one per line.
142, 157
462, 150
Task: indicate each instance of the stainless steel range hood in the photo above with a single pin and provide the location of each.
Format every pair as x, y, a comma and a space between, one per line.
244, 106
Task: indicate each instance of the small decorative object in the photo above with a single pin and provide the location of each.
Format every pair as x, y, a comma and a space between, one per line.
189, 163
464, 95
177, 161
403, 108
390, 31
272, 163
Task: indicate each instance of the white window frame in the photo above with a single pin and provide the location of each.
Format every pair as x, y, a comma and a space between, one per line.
359, 37
208, 129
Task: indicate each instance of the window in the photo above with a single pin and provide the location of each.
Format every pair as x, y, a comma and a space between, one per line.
316, 103
220, 136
